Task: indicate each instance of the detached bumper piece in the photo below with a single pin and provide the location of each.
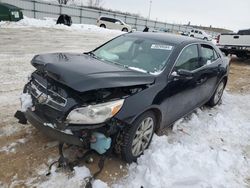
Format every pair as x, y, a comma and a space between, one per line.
21, 117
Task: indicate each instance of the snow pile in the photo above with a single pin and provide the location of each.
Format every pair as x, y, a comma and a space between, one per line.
207, 150
51, 23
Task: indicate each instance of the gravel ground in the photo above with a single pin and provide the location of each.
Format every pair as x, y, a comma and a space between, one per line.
22, 148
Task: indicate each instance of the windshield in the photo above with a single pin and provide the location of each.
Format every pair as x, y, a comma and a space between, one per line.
140, 54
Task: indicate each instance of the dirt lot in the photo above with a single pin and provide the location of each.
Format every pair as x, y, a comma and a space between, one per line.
32, 150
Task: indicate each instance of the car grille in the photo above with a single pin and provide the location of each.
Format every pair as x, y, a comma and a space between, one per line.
46, 96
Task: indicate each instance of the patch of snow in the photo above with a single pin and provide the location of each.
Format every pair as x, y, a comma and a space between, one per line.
138, 69
26, 101
11, 147
49, 125
144, 71
67, 131
207, 149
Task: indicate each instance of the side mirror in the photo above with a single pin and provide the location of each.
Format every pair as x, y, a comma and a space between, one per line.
182, 74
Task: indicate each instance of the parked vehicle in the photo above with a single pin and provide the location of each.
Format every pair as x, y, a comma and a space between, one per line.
235, 43
200, 34
10, 12
113, 23
123, 91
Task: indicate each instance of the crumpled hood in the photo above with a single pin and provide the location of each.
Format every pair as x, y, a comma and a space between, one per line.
82, 72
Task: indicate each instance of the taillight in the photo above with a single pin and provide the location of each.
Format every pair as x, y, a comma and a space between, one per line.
218, 39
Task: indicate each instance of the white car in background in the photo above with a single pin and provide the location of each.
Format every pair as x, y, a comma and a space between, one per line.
200, 34
113, 23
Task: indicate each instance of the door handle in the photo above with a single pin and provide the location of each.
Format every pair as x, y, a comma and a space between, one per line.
201, 81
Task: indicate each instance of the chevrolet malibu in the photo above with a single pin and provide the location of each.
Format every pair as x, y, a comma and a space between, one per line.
118, 95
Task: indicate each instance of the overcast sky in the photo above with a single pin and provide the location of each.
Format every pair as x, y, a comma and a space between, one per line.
230, 14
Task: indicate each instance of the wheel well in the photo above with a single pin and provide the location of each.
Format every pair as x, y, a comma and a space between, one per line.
158, 116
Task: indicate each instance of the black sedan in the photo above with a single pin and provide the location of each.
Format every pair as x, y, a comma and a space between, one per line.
118, 95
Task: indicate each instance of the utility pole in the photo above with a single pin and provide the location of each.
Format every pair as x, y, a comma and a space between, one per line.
149, 12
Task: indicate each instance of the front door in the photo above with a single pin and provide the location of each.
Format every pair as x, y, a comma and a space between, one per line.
185, 93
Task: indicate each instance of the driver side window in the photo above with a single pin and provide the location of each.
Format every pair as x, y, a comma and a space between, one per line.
189, 59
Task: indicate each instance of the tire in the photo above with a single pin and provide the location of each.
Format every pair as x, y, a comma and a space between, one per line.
216, 98
191, 35
134, 143
125, 30
205, 38
103, 25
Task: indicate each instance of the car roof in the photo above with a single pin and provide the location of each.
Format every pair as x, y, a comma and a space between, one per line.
165, 37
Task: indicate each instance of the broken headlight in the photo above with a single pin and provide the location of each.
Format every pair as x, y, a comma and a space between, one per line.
95, 114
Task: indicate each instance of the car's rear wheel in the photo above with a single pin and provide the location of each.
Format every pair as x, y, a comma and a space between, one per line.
125, 30
103, 25
191, 35
138, 137
215, 99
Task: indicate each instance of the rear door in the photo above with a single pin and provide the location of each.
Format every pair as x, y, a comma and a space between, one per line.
210, 62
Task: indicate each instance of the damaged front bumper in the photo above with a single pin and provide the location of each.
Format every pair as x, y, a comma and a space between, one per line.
59, 135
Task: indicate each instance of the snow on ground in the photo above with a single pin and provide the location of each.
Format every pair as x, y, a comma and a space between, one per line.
51, 23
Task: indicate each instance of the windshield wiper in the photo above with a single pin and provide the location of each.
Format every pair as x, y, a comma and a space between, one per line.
91, 54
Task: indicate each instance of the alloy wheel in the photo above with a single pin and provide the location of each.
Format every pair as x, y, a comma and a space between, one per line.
143, 136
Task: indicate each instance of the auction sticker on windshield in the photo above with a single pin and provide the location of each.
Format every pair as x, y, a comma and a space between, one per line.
161, 47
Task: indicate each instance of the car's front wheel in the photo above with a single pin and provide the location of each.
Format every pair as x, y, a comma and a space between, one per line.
215, 99
138, 136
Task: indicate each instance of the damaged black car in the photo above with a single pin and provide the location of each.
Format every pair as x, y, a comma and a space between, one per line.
118, 95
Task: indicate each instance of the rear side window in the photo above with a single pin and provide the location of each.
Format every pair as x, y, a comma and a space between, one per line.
208, 54
188, 59
196, 31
